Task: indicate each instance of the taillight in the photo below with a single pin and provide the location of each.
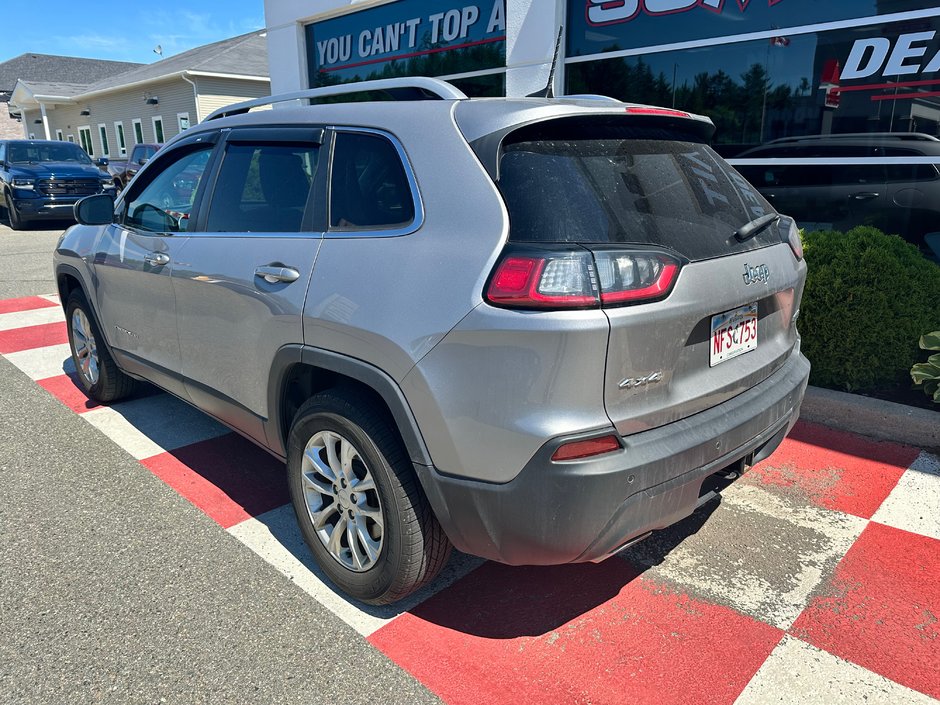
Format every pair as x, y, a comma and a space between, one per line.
793, 238
580, 278
634, 276
550, 280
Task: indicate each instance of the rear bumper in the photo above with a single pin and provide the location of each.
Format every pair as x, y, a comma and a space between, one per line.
576, 511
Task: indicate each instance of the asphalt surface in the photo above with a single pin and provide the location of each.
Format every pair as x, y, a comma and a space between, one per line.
115, 589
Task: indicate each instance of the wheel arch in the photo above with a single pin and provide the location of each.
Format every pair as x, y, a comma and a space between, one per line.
300, 371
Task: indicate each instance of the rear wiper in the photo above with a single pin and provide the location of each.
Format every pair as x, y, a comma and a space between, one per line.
758, 225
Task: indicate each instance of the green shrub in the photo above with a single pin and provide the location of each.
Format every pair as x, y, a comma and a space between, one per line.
869, 297
927, 374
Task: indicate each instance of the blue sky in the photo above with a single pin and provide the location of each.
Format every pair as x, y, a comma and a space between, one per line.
122, 31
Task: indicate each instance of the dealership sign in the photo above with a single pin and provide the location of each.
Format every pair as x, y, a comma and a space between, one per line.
605, 12
906, 56
404, 30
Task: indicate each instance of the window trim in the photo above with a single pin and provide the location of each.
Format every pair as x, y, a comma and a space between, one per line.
138, 123
59, 136
105, 140
120, 138
91, 144
412, 227
153, 122
71, 138
179, 121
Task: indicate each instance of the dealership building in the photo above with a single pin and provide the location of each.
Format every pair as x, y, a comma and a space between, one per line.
761, 69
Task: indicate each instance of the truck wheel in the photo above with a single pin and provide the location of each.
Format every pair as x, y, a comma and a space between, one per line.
358, 502
97, 371
13, 215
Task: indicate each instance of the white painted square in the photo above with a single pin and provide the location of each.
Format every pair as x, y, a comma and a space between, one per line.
757, 553
54, 298
276, 537
914, 503
42, 363
799, 674
36, 317
153, 425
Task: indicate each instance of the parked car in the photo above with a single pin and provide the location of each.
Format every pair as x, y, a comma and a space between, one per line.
122, 171
890, 180
43, 179
535, 329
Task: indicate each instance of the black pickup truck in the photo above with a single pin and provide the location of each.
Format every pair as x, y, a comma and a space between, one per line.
122, 171
42, 180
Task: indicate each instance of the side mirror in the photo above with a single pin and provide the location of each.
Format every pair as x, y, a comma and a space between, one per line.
102, 161
142, 161
94, 210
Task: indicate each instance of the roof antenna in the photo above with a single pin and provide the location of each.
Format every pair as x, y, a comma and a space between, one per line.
547, 92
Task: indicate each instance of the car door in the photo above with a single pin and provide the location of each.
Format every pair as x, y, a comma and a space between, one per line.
241, 288
135, 256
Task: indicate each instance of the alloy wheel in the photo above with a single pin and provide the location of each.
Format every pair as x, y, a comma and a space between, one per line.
86, 349
342, 501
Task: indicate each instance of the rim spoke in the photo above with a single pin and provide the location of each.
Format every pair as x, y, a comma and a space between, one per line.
313, 455
370, 545
354, 549
335, 545
312, 483
330, 442
373, 514
347, 454
364, 484
320, 518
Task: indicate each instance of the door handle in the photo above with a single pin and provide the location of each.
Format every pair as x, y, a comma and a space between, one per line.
156, 259
277, 273
865, 195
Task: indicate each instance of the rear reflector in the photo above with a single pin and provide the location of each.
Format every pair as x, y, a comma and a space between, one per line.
586, 449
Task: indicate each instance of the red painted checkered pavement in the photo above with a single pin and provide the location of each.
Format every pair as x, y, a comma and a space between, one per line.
817, 578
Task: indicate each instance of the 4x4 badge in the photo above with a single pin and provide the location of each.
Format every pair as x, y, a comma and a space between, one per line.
761, 273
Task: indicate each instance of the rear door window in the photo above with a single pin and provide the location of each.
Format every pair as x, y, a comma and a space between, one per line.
627, 185
369, 188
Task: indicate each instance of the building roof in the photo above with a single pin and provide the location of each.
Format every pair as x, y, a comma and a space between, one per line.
48, 68
59, 89
244, 55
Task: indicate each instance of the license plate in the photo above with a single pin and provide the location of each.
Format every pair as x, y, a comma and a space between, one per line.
733, 333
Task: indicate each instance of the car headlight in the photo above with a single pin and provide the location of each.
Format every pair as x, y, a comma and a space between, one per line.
27, 184
107, 183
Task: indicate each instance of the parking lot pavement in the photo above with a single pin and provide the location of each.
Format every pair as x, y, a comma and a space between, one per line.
815, 579
26, 259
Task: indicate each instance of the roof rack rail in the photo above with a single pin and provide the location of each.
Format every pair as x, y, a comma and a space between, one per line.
409, 88
899, 136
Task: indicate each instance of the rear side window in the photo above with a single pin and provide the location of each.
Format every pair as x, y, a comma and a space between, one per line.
369, 187
628, 185
262, 188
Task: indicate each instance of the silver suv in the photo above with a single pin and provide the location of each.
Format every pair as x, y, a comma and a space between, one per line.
534, 329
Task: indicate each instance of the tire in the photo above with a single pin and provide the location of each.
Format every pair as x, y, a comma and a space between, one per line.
13, 215
97, 371
396, 545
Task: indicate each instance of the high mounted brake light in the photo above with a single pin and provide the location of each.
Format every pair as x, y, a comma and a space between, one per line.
665, 112
579, 278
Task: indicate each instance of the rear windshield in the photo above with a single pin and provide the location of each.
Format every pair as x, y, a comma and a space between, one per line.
627, 185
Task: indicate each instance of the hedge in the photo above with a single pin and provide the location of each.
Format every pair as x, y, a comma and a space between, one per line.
868, 299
